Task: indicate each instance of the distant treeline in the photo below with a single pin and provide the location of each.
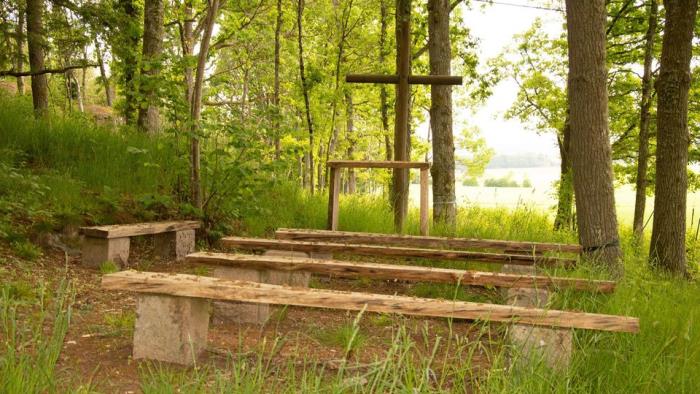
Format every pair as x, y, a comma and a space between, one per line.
522, 160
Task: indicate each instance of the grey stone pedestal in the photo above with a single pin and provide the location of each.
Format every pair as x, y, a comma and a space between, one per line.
171, 329
174, 245
252, 313
98, 250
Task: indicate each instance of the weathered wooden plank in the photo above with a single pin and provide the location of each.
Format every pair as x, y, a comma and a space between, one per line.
213, 288
395, 251
421, 241
424, 202
347, 269
130, 230
376, 164
412, 79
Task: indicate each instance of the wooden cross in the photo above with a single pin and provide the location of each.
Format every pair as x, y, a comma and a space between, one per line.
403, 79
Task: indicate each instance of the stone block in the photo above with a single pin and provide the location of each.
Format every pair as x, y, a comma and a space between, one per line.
169, 328
253, 313
530, 343
96, 251
174, 245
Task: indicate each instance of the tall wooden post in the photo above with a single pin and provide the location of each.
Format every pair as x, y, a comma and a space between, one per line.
403, 70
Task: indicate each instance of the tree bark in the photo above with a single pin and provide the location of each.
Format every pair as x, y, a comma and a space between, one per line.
196, 104
153, 31
383, 93
103, 74
19, 39
350, 137
35, 44
565, 193
128, 58
443, 168
276, 94
590, 145
643, 151
668, 232
305, 92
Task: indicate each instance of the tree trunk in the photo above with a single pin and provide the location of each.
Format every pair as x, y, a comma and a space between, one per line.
153, 31
75, 90
350, 137
196, 104
383, 93
403, 103
103, 74
643, 152
35, 44
19, 57
129, 59
672, 139
443, 168
590, 145
276, 95
305, 92
565, 193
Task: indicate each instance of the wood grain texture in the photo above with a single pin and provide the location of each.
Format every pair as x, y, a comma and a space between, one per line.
421, 241
130, 230
412, 79
395, 251
376, 164
347, 269
212, 288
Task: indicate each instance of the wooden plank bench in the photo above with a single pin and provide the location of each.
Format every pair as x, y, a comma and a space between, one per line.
395, 251
431, 242
173, 239
173, 309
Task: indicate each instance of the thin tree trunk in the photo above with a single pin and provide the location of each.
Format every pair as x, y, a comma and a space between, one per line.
128, 59
565, 193
672, 139
305, 92
383, 93
19, 38
75, 90
103, 74
443, 168
643, 151
196, 104
35, 43
276, 95
153, 31
83, 75
350, 137
590, 145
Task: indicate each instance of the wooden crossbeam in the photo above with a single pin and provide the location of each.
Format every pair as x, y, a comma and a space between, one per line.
412, 79
347, 269
218, 289
375, 250
377, 164
420, 241
135, 229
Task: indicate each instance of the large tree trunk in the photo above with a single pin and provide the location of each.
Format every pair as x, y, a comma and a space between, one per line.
590, 145
403, 104
103, 74
383, 93
565, 193
305, 92
443, 169
35, 42
196, 104
276, 95
153, 30
19, 56
643, 151
672, 139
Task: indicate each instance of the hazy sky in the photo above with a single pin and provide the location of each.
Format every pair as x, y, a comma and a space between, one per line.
494, 27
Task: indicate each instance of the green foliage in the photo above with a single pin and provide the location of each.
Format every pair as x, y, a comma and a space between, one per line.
26, 250
108, 267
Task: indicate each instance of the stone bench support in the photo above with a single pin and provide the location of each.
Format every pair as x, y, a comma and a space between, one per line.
250, 313
170, 328
532, 344
98, 250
